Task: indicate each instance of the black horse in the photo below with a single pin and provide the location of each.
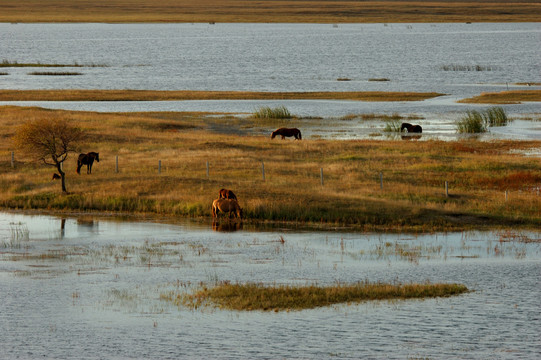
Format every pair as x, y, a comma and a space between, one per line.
88, 160
411, 128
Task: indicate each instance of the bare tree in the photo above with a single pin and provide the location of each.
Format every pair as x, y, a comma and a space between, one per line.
50, 141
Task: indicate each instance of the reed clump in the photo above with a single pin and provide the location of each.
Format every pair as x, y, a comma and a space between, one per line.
266, 112
479, 121
249, 297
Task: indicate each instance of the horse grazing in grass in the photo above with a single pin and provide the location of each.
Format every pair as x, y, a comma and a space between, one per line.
88, 160
283, 132
411, 128
226, 206
227, 194
56, 177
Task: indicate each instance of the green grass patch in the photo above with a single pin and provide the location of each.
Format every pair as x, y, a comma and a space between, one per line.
266, 112
284, 297
479, 121
392, 125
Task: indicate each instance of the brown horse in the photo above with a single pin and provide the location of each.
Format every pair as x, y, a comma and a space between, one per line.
227, 194
56, 177
411, 128
226, 206
283, 132
88, 160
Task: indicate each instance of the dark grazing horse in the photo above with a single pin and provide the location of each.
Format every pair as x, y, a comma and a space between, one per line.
411, 128
227, 194
88, 160
283, 132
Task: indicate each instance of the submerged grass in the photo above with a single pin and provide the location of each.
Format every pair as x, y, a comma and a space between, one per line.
49, 73
284, 297
11, 64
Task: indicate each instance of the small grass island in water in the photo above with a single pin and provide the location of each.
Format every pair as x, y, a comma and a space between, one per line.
253, 296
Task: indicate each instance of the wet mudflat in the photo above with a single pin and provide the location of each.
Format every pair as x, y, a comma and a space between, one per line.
96, 286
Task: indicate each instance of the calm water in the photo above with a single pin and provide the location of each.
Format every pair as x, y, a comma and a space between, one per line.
287, 57
92, 287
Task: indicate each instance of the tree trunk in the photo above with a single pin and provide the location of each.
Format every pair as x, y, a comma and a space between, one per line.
62, 176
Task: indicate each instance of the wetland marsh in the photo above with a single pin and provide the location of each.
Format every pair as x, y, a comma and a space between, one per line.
108, 282
85, 282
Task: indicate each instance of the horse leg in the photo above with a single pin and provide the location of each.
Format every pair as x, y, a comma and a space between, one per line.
283, 137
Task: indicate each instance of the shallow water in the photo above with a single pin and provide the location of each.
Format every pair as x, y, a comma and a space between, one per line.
288, 57
92, 286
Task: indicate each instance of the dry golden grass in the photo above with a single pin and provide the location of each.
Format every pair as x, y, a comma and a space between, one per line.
412, 198
505, 97
301, 11
154, 95
249, 297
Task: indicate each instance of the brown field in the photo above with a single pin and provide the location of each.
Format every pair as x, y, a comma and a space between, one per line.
153, 95
412, 197
314, 11
505, 97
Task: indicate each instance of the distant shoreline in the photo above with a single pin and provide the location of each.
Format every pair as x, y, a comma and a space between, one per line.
158, 95
270, 11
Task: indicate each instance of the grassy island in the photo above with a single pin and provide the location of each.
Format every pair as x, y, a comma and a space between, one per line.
279, 298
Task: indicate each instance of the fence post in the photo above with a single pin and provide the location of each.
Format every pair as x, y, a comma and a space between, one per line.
12, 159
321, 174
116, 164
208, 176
263, 170
159, 166
381, 180
447, 189
505, 195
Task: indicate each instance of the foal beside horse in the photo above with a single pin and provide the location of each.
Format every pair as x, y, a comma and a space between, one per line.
88, 160
411, 128
227, 194
283, 132
226, 206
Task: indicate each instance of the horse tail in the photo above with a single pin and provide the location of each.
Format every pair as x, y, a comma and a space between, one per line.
300, 136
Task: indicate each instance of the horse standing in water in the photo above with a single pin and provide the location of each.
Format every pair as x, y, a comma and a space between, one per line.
411, 128
88, 160
226, 206
283, 132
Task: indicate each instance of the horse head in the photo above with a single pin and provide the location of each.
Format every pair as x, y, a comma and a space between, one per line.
273, 135
406, 126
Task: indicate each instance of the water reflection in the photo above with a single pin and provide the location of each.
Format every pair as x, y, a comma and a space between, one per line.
411, 137
226, 226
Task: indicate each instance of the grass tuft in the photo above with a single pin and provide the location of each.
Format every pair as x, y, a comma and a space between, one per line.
478, 122
266, 112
